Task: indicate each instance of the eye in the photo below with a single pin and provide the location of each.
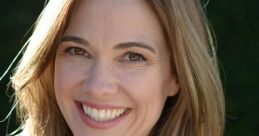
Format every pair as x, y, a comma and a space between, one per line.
76, 51
133, 57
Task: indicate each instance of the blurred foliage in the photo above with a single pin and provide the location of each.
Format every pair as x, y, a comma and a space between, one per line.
236, 26
235, 23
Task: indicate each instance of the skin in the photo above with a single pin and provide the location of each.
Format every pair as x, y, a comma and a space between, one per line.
98, 67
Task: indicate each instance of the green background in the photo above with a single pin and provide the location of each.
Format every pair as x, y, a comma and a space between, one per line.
236, 25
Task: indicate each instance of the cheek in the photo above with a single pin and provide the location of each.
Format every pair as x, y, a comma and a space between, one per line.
66, 78
152, 81
146, 88
146, 92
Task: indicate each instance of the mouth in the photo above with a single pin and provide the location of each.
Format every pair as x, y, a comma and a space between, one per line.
101, 116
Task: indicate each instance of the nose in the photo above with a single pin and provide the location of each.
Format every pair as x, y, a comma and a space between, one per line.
100, 81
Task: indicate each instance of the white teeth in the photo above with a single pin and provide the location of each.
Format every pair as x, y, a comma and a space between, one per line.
113, 114
108, 114
102, 114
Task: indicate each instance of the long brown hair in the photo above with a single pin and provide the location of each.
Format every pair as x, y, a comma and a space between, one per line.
198, 109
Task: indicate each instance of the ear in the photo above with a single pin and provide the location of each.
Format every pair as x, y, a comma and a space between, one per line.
173, 87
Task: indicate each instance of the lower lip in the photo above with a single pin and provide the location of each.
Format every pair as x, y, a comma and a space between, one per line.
100, 124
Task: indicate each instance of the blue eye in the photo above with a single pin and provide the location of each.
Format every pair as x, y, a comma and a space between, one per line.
133, 57
76, 51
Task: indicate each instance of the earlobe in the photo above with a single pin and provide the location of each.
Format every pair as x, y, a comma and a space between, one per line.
174, 87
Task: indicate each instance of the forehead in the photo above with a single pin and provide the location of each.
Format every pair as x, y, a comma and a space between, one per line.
121, 19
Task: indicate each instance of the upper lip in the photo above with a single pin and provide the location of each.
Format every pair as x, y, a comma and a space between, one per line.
100, 106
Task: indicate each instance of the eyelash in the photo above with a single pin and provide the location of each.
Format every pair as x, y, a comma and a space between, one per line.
132, 57
77, 51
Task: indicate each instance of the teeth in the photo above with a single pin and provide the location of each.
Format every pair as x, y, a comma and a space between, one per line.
102, 114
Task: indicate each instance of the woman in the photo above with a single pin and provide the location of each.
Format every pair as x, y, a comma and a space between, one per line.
112, 67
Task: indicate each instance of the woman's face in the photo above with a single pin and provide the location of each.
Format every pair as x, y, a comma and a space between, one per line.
112, 69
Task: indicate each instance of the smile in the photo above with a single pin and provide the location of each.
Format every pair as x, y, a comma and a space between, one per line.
103, 114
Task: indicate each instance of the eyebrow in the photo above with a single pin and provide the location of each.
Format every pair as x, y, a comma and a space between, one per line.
135, 44
125, 45
74, 39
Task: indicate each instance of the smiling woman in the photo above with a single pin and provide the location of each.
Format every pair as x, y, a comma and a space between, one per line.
113, 68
